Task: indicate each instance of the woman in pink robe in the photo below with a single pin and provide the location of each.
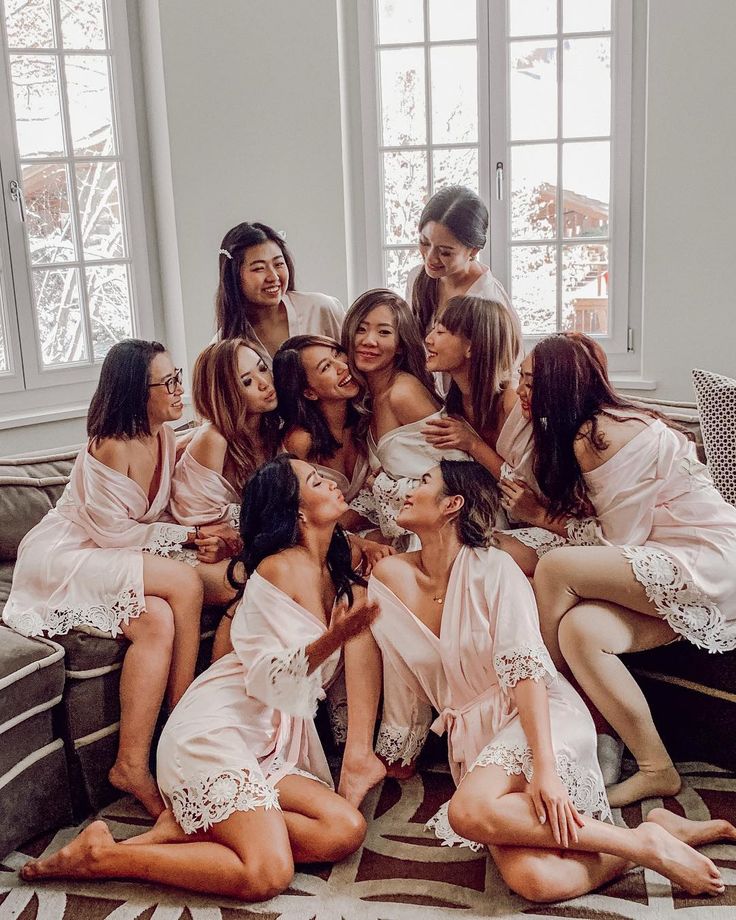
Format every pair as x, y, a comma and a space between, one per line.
458, 631
107, 556
657, 561
240, 763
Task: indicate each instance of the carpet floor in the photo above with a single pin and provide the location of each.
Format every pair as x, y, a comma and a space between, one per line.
400, 873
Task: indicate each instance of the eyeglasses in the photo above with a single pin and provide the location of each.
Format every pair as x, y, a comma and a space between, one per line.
172, 383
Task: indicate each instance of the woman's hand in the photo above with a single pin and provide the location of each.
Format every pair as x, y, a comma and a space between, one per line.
211, 549
518, 501
552, 803
450, 434
371, 478
348, 622
368, 553
227, 533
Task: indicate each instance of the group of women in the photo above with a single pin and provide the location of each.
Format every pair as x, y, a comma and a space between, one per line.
393, 503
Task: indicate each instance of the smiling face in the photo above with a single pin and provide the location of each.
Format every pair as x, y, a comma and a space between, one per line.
427, 507
327, 373
443, 253
320, 500
376, 342
446, 351
163, 406
264, 275
524, 389
257, 381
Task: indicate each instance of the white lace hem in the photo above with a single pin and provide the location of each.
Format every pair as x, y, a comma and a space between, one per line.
585, 787
440, 824
337, 713
290, 688
106, 617
215, 798
537, 538
167, 540
233, 516
398, 742
383, 502
524, 663
586, 532
687, 609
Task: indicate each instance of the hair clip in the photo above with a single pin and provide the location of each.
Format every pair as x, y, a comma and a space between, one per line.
224, 252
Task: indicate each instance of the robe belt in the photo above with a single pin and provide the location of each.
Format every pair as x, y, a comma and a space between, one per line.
452, 720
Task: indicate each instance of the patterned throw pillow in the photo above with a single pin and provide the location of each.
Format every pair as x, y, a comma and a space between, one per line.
716, 397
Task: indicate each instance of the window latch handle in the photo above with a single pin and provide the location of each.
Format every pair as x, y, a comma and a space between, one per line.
499, 181
16, 195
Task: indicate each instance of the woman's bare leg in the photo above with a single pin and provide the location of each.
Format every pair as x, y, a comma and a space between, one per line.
247, 856
494, 809
180, 586
323, 826
592, 636
217, 589
524, 556
143, 682
361, 768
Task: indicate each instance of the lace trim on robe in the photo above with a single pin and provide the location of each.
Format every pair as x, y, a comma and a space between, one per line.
278, 764
586, 789
292, 689
524, 662
215, 798
106, 617
537, 538
337, 712
233, 516
585, 532
167, 541
687, 609
383, 502
440, 824
398, 742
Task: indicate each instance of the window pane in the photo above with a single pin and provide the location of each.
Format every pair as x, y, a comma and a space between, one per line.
532, 17
586, 15
59, 316
586, 87
29, 23
397, 265
448, 21
534, 289
4, 343
454, 75
585, 288
534, 192
404, 194
533, 90
108, 291
48, 221
455, 167
90, 104
586, 184
403, 110
99, 210
400, 21
37, 107
83, 24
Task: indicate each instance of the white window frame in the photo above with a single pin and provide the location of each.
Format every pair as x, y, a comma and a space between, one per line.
33, 390
623, 342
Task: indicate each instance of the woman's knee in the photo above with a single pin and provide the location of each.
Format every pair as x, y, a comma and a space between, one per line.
155, 624
346, 831
472, 818
537, 879
556, 568
264, 876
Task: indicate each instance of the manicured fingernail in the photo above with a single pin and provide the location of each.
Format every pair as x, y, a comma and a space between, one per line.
542, 819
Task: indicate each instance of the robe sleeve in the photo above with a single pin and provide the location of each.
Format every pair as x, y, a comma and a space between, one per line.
518, 650
332, 318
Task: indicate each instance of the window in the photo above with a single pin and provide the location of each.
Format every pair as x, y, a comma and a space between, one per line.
72, 281
529, 103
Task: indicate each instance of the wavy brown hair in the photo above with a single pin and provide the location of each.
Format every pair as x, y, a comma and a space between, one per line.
410, 353
477, 517
219, 398
494, 353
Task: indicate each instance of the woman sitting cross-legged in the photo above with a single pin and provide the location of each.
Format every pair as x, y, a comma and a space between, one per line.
240, 763
234, 395
459, 632
98, 559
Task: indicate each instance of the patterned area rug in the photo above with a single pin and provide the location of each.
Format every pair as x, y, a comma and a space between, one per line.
400, 873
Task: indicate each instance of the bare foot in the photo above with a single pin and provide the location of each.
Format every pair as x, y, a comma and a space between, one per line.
694, 833
678, 862
359, 774
76, 860
139, 783
644, 785
165, 830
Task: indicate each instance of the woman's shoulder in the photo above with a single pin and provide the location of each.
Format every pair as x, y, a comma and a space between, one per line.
611, 433
409, 399
285, 569
393, 571
298, 441
114, 453
316, 299
208, 447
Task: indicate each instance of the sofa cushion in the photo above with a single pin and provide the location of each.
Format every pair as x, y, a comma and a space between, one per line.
28, 489
716, 397
6, 580
31, 674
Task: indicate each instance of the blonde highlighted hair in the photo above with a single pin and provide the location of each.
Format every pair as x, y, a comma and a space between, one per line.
218, 395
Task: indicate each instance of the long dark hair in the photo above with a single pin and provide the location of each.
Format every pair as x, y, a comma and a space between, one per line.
495, 349
466, 217
477, 517
410, 353
269, 523
570, 389
296, 410
119, 406
231, 304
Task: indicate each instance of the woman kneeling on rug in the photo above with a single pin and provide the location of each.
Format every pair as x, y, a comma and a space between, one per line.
459, 632
240, 763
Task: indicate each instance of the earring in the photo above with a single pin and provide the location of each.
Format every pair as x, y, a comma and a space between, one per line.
301, 516
543, 421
